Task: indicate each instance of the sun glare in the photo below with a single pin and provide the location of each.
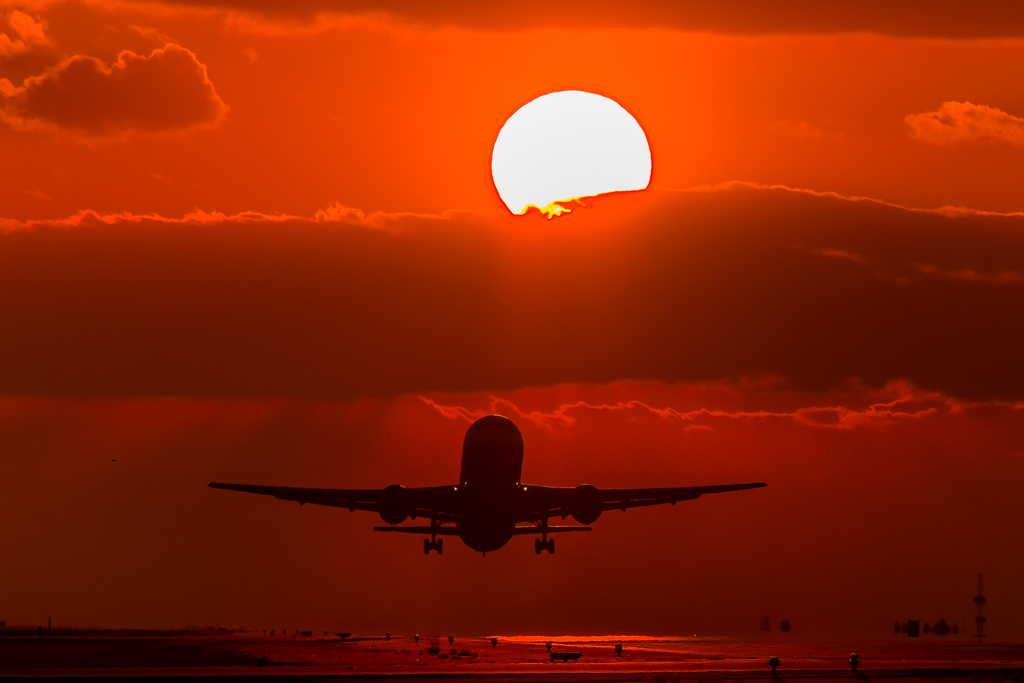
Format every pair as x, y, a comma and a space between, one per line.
566, 145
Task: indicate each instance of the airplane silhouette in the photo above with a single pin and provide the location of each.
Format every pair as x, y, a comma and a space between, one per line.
490, 504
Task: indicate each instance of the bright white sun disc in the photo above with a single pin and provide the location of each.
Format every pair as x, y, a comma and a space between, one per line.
565, 145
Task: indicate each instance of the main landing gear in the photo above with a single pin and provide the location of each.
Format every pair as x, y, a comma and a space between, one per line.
543, 543
433, 543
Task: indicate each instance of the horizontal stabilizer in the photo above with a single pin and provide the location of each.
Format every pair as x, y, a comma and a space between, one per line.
525, 530
434, 531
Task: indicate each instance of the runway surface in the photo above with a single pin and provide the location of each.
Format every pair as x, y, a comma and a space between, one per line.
219, 654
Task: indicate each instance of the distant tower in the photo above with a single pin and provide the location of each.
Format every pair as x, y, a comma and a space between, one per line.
979, 600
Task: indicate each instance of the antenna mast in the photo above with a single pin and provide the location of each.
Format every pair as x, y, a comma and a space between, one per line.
979, 600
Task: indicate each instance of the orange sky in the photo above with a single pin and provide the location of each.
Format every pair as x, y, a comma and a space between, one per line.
241, 245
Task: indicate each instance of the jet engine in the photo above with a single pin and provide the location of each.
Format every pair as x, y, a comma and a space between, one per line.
585, 507
394, 504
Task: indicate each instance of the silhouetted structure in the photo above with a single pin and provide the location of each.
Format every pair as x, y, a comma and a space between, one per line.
854, 663
618, 649
490, 504
913, 628
979, 600
565, 656
774, 662
451, 640
494, 642
784, 627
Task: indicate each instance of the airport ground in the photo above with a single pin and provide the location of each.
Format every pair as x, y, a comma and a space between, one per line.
213, 654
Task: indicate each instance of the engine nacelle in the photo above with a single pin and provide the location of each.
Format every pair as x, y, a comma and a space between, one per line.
586, 504
394, 504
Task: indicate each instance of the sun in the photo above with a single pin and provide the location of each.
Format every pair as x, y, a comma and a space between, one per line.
566, 145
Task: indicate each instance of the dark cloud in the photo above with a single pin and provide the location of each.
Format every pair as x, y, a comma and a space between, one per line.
697, 285
916, 18
169, 90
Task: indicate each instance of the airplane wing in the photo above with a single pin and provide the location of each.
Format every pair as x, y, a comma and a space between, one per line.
432, 502
550, 501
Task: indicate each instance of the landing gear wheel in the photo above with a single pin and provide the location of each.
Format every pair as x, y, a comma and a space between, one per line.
551, 546
439, 546
426, 546
537, 548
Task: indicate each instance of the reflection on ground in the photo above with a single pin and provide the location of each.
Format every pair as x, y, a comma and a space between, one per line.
230, 652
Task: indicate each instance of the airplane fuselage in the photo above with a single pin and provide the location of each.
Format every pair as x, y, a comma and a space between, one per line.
490, 483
